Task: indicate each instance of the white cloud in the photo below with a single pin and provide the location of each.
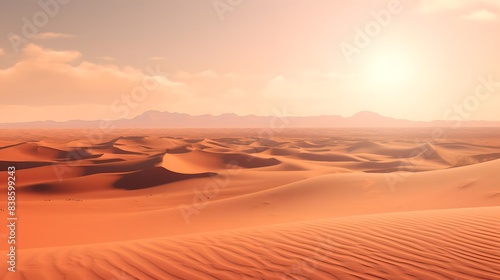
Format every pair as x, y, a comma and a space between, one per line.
53, 84
481, 15
53, 35
44, 77
157, 58
47, 84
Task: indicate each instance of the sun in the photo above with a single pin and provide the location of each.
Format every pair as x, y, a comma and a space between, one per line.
390, 69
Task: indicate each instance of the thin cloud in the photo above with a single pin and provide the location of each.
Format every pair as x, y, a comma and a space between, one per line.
63, 78
53, 35
433, 6
157, 58
2, 52
481, 15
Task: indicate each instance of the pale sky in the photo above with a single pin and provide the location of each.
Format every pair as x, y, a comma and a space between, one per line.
94, 59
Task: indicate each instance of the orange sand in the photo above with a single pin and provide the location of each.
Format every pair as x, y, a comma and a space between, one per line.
224, 204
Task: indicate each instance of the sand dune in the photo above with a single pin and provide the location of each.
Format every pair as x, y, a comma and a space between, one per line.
201, 161
224, 204
329, 157
445, 244
283, 151
34, 151
153, 177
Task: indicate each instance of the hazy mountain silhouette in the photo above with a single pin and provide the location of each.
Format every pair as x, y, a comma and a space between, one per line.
157, 119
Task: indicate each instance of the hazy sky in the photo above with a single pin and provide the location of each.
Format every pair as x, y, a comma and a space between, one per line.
418, 60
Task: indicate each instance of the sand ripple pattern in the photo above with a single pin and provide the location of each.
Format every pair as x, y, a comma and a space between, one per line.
440, 244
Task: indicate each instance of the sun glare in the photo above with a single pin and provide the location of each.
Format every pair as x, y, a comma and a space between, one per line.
390, 69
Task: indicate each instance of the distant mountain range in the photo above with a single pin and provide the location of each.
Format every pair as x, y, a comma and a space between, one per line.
157, 119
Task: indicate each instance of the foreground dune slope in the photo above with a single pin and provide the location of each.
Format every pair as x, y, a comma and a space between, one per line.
439, 244
252, 198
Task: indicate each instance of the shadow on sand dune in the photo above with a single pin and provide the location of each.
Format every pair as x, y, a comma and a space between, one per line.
154, 177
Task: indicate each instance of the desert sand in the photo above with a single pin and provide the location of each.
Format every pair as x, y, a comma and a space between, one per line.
229, 204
